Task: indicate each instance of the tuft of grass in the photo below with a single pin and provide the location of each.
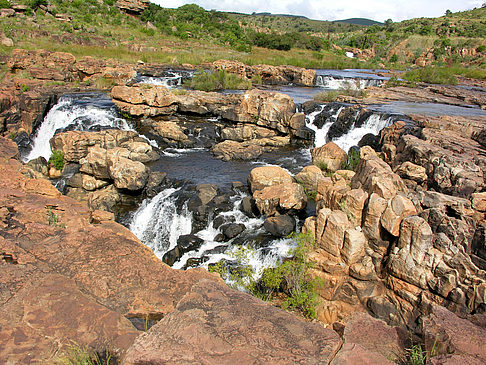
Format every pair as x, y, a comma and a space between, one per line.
352, 160
417, 355
53, 219
78, 355
217, 80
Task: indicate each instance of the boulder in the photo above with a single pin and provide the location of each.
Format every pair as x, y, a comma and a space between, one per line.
231, 150
397, 209
126, 174
170, 131
352, 203
372, 217
231, 230
216, 324
249, 207
266, 176
280, 198
280, 226
95, 163
328, 157
309, 177
408, 170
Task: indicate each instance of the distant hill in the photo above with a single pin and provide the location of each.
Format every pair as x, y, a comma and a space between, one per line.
359, 21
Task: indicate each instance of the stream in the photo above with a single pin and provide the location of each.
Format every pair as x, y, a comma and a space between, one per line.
160, 221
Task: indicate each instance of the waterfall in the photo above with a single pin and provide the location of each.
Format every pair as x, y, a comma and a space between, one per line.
321, 133
158, 224
73, 112
330, 82
169, 79
373, 124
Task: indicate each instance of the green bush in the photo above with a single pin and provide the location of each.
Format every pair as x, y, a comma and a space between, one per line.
217, 80
5, 4
292, 277
57, 160
352, 160
34, 4
394, 58
481, 48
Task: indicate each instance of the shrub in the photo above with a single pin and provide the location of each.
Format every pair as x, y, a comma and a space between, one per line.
481, 48
352, 160
394, 58
218, 80
57, 160
292, 277
77, 355
34, 4
5, 4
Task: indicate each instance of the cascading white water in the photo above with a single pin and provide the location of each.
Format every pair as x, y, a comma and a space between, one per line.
321, 133
330, 82
69, 113
374, 124
172, 80
158, 224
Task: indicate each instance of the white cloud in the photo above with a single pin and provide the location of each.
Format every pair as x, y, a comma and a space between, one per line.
379, 10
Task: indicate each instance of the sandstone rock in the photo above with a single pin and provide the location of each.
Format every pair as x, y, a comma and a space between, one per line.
266, 176
206, 192
408, 260
231, 150
372, 217
126, 174
354, 245
170, 130
95, 163
397, 209
448, 334
99, 216
308, 177
329, 156
5, 13
219, 324
280, 198
352, 203
280, 226
332, 239
90, 183
7, 42
104, 199
479, 201
246, 132
408, 170
132, 6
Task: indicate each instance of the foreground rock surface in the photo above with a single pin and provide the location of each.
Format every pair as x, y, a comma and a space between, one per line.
214, 324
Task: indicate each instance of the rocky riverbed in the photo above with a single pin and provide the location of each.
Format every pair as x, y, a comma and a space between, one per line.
400, 241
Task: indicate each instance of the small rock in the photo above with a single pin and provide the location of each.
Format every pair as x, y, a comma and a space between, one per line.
266, 176
231, 230
398, 208
329, 156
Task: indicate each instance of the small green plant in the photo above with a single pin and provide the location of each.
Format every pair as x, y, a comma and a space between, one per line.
179, 91
12, 135
54, 219
416, 355
292, 277
394, 58
5, 4
78, 355
256, 79
57, 160
24, 88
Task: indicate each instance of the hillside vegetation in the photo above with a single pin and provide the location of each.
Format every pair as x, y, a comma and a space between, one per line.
193, 35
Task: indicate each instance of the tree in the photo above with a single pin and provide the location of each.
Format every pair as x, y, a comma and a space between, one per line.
388, 24
448, 12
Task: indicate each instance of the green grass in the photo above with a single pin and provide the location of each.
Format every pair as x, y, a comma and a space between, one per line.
78, 355
333, 95
432, 75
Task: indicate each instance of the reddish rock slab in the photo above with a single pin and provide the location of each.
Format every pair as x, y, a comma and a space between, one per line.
376, 336
354, 354
214, 324
446, 333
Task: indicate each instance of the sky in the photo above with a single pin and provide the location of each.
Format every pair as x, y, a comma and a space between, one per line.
378, 10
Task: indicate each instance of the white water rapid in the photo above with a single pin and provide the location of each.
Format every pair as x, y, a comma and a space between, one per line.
158, 225
80, 116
